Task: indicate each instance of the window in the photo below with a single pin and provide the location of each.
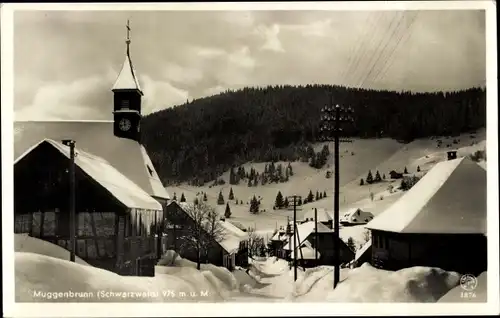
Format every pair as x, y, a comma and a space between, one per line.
149, 170
125, 104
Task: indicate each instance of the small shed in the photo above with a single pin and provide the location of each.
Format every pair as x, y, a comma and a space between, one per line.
116, 220
395, 175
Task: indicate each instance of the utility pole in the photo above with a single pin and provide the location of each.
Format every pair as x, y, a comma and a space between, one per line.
72, 194
333, 117
316, 235
295, 200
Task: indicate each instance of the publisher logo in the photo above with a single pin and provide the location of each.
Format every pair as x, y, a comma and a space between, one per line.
468, 282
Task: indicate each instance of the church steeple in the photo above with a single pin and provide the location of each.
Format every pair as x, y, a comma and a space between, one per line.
127, 98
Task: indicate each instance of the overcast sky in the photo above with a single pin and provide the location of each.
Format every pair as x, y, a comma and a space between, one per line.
66, 61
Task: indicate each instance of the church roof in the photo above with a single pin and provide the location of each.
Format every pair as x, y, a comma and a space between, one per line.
95, 137
449, 199
127, 78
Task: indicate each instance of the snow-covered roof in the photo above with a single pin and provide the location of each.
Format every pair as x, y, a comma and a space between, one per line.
323, 215
232, 235
127, 77
449, 199
308, 252
122, 188
363, 250
303, 232
95, 137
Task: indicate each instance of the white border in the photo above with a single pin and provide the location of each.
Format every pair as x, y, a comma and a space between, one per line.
254, 309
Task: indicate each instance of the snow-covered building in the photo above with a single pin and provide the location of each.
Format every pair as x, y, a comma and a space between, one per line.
229, 248
116, 219
117, 142
355, 216
323, 216
440, 221
305, 237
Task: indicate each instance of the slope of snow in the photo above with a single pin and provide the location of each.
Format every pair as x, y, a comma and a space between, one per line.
415, 284
28, 244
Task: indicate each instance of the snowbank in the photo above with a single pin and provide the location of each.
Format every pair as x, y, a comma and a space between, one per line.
28, 244
415, 284
42, 278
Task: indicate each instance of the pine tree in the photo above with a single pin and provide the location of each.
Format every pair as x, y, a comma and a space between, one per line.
377, 177
350, 243
175, 197
205, 197
290, 170
232, 176
369, 177
310, 196
279, 201
231, 194
406, 171
324, 194
196, 201
183, 198
383, 177
361, 182
254, 205
418, 168
286, 203
317, 196
249, 182
220, 199
227, 213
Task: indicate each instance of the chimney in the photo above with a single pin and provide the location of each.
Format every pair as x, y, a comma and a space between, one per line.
452, 154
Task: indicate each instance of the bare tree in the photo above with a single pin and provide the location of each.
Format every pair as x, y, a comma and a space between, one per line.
203, 232
255, 242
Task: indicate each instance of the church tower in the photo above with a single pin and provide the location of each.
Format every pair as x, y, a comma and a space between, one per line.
127, 100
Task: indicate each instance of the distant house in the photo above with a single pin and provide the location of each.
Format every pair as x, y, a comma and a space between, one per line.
395, 175
355, 216
231, 251
116, 219
441, 222
324, 244
324, 217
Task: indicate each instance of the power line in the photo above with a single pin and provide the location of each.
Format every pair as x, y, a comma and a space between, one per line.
405, 35
394, 28
357, 65
359, 44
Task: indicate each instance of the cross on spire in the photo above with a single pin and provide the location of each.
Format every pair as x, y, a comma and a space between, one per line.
128, 36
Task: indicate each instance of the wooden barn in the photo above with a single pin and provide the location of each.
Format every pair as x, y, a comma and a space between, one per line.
116, 142
228, 249
395, 175
439, 222
324, 244
115, 218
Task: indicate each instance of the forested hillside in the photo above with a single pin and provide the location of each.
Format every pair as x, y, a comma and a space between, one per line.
205, 137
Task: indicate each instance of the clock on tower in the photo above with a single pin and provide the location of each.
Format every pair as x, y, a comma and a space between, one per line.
127, 99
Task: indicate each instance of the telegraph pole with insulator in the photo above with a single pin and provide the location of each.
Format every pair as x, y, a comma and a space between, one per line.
333, 117
72, 201
294, 199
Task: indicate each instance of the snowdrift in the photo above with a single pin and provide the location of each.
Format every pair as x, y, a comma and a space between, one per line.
370, 285
41, 278
28, 244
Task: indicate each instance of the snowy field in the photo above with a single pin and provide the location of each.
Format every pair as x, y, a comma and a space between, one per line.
43, 278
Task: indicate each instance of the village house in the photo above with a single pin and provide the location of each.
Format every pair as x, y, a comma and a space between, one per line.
439, 222
323, 216
355, 216
228, 250
115, 217
116, 142
305, 238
